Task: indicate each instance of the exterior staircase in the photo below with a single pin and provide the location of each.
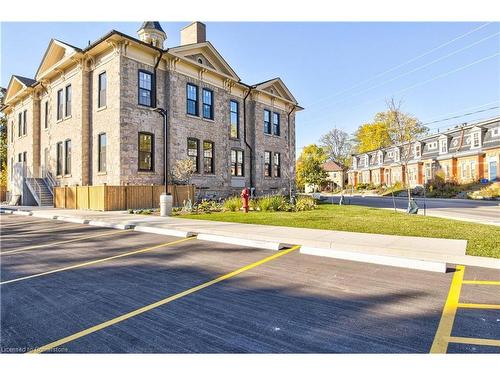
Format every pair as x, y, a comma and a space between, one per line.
41, 191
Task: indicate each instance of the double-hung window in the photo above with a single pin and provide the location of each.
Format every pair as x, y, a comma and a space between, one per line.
102, 83
146, 152
277, 164
67, 156
267, 164
20, 124
25, 122
12, 132
208, 104
234, 119
267, 121
102, 144
193, 146
59, 104
237, 166
59, 166
208, 157
67, 101
145, 88
46, 115
276, 123
475, 139
444, 146
192, 99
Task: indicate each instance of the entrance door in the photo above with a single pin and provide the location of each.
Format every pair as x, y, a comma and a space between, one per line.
493, 170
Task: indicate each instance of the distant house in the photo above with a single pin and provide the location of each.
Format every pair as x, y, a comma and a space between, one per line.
337, 178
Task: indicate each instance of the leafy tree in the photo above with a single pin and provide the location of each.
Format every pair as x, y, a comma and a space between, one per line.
310, 166
374, 135
337, 145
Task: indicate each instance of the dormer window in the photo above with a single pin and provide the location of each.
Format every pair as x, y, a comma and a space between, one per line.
476, 139
443, 148
495, 132
355, 163
418, 150
367, 159
396, 155
380, 158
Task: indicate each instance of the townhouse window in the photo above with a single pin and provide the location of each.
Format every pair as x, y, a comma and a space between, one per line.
101, 154
234, 119
20, 157
12, 132
472, 169
193, 146
46, 115
237, 166
495, 132
146, 152
59, 158
276, 123
464, 170
267, 163
267, 121
103, 84
67, 101
25, 122
208, 157
25, 154
59, 104
208, 104
379, 158
67, 156
417, 151
277, 164
192, 99
444, 146
475, 140
145, 88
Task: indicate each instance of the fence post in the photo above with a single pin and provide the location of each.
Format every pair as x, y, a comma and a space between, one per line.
76, 196
105, 198
152, 195
65, 194
88, 197
126, 196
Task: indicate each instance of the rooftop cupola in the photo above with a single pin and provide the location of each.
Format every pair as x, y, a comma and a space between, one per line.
152, 33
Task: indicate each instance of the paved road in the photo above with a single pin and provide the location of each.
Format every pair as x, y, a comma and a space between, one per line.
486, 212
111, 291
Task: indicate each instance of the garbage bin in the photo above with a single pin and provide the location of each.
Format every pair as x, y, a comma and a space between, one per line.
412, 207
165, 204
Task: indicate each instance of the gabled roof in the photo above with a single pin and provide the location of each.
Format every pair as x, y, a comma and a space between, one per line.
209, 53
276, 87
331, 166
16, 85
56, 52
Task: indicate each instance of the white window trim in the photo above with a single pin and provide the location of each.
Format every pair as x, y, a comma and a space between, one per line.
479, 134
441, 143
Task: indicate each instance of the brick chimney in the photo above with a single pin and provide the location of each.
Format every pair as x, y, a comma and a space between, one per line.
193, 33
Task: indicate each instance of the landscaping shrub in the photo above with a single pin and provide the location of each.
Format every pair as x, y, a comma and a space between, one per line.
305, 203
488, 192
207, 206
253, 204
232, 204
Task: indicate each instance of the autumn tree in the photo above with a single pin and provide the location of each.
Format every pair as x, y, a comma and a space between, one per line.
337, 145
310, 166
372, 136
3, 142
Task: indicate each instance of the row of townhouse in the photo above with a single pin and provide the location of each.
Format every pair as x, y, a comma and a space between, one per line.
466, 153
123, 110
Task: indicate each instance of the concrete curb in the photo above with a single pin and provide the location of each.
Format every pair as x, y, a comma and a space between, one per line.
267, 245
385, 260
110, 225
44, 216
23, 213
164, 231
72, 220
8, 212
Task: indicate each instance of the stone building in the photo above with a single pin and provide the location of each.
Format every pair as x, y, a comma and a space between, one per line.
97, 116
465, 153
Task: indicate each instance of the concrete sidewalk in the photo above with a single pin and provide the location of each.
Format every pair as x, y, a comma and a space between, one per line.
411, 252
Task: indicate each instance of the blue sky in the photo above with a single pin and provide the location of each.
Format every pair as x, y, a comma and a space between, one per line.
341, 73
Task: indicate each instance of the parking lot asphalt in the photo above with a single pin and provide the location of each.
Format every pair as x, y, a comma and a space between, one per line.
87, 289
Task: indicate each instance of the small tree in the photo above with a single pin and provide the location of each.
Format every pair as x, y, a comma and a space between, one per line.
337, 145
403, 130
183, 171
3, 142
372, 136
310, 166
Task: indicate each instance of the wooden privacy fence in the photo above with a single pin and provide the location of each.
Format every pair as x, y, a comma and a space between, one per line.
113, 198
3, 193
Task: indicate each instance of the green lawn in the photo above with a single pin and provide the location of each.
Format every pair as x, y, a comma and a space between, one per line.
483, 240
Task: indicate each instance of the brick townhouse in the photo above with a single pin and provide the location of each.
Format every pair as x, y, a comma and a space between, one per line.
97, 116
465, 153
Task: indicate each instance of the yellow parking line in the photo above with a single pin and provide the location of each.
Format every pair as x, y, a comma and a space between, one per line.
440, 344
481, 282
149, 307
56, 227
478, 306
66, 241
79, 265
474, 341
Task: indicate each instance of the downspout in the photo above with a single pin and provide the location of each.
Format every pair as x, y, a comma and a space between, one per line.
163, 113
245, 135
289, 152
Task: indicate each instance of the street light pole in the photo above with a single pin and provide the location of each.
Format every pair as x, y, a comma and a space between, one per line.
163, 113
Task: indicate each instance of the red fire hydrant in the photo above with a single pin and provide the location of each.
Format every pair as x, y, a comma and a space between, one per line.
245, 194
